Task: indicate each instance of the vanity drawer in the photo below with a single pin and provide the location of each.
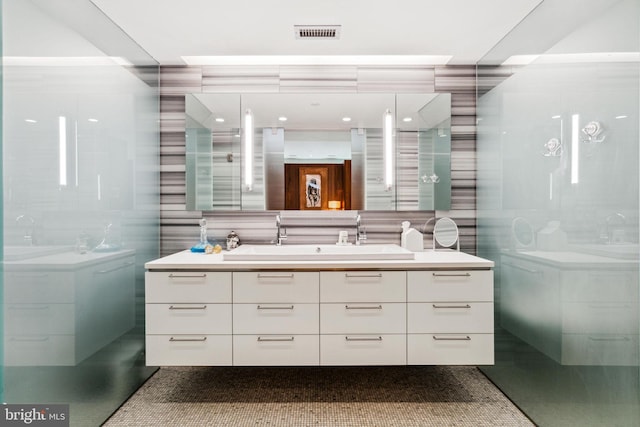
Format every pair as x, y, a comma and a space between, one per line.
39, 287
189, 350
437, 286
275, 350
35, 319
275, 287
450, 349
188, 287
473, 317
270, 318
203, 318
600, 349
39, 350
363, 286
363, 349
599, 318
363, 318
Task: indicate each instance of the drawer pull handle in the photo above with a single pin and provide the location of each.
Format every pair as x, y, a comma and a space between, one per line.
451, 306
610, 306
351, 275
201, 307
187, 276
275, 307
26, 339
467, 338
275, 276
378, 338
33, 307
173, 339
273, 339
120, 267
363, 307
517, 267
609, 339
451, 274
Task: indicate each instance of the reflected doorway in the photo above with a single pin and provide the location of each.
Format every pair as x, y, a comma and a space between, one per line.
317, 186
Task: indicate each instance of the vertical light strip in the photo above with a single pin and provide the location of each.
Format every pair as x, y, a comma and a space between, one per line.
99, 187
75, 166
575, 148
248, 150
62, 150
388, 150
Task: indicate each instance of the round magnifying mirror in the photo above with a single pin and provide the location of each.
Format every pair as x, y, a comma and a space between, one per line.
445, 232
522, 233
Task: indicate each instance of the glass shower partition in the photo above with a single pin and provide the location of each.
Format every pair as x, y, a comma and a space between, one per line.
81, 206
558, 191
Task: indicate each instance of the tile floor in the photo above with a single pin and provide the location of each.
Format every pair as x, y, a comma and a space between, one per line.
318, 396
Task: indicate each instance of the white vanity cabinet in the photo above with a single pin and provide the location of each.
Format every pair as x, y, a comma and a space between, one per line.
582, 311
450, 317
61, 309
363, 317
275, 318
188, 318
202, 310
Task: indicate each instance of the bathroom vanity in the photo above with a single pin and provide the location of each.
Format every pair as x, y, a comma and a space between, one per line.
577, 307
431, 310
60, 307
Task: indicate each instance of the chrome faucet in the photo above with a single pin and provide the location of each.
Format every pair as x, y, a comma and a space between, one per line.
29, 223
615, 224
360, 234
280, 236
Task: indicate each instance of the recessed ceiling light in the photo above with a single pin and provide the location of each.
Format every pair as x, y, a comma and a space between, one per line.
346, 119
30, 121
556, 117
621, 117
93, 120
219, 119
407, 119
282, 118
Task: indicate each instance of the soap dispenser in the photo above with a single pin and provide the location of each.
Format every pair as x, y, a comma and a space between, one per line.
411, 238
204, 241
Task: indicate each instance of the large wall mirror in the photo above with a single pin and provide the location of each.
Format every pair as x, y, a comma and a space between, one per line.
318, 151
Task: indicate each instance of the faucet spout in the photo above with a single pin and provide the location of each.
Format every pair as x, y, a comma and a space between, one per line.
361, 236
280, 236
28, 222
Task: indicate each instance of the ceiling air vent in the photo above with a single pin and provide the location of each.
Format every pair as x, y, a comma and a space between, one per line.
317, 31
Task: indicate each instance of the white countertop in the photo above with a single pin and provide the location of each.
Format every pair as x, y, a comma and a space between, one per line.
574, 260
68, 260
445, 259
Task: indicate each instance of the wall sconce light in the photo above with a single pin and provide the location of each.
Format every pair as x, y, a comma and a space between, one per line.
248, 150
388, 150
62, 151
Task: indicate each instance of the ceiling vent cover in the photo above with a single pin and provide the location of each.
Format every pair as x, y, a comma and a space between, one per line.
317, 31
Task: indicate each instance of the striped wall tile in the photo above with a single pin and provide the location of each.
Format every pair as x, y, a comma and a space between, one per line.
179, 227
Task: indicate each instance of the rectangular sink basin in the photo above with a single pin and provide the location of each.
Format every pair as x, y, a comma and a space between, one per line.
317, 253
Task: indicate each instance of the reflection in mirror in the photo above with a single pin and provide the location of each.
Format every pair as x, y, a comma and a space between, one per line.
318, 151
